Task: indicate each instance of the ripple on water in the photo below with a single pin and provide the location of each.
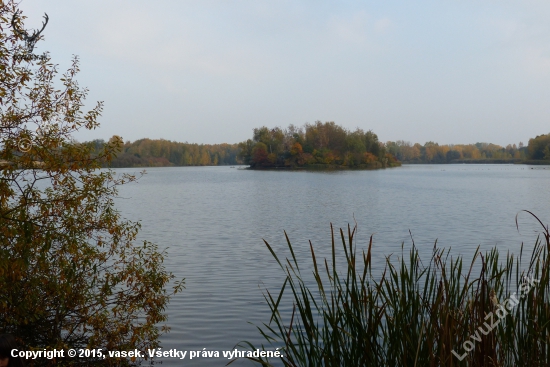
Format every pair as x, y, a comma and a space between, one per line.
213, 220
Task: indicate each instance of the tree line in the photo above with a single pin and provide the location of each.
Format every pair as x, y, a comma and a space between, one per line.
318, 144
163, 153
432, 152
537, 151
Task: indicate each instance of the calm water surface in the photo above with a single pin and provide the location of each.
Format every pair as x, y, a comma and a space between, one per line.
212, 221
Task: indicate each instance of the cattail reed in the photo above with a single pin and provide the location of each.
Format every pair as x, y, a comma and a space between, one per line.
429, 312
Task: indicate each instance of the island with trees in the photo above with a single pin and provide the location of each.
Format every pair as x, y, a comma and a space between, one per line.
317, 145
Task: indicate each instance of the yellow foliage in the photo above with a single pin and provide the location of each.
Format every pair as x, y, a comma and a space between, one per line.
71, 273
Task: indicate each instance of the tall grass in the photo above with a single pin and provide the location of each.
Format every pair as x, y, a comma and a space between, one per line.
413, 313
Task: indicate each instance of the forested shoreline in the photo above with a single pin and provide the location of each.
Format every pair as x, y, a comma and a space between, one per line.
166, 153
536, 152
321, 145
432, 152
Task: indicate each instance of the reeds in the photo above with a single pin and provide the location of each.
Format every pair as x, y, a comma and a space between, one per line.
413, 313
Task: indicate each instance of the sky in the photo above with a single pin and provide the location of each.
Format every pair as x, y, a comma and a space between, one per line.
206, 71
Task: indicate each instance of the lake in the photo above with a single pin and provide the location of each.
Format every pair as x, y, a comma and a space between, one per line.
212, 221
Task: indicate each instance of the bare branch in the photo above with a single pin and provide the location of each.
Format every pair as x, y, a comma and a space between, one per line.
29, 40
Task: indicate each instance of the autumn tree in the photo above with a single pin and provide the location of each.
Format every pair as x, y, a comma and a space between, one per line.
72, 273
259, 155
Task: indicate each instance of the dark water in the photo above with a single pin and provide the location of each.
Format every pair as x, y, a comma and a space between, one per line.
213, 219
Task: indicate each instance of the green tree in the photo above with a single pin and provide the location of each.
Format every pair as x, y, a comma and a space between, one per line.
372, 144
355, 143
245, 151
537, 147
71, 272
453, 155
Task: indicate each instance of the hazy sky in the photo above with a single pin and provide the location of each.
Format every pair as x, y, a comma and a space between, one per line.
210, 71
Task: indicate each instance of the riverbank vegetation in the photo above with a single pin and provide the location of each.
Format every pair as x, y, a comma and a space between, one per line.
536, 152
432, 152
434, 311
166, 153
318, 145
